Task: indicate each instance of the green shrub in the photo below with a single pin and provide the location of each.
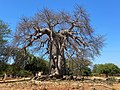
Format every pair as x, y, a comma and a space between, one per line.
24, 73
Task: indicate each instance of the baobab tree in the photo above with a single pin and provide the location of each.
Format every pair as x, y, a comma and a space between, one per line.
59, 35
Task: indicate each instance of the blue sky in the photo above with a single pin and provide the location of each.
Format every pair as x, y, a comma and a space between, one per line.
104, 15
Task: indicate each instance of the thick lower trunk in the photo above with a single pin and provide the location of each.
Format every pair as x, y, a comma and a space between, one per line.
57, 61
57, 66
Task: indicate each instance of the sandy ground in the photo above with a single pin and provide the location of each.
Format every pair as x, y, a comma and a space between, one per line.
57, 85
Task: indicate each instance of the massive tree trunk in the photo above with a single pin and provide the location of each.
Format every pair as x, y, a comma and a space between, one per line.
57, 59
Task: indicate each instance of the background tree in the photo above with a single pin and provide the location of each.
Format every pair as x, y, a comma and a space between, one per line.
108, 69
3, 67
86, 71
4, 46
4, 34
28, 62
59, 36
79, 67
19, 59
36, 65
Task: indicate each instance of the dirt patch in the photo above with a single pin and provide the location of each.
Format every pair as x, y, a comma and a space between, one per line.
57, 85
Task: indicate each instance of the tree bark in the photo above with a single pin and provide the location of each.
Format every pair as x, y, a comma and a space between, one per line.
57, 59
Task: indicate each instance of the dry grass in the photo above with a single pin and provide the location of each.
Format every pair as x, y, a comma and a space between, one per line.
57, 85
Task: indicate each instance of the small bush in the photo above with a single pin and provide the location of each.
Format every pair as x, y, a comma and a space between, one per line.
111, 80
1, 74
24, 73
